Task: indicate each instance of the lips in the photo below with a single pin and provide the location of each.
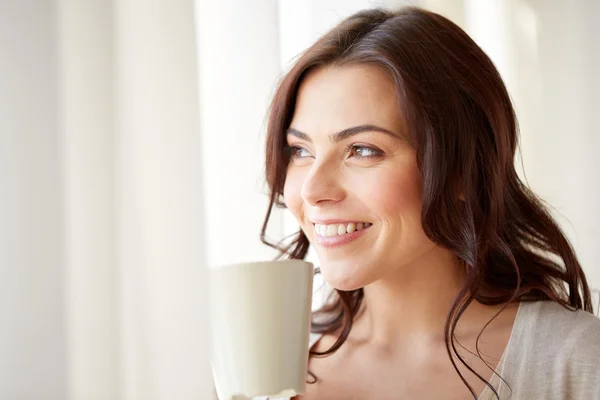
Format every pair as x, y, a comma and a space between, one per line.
335, 234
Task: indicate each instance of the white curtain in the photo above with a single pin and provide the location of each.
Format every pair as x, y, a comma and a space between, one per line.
135, 274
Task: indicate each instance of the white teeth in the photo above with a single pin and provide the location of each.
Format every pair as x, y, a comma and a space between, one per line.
331, 230
339, 229
351, 227
323, 230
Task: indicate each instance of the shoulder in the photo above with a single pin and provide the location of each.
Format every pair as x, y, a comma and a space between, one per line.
557, 328
550, 320
566, 343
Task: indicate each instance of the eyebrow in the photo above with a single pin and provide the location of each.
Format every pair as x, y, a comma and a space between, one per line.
344, 134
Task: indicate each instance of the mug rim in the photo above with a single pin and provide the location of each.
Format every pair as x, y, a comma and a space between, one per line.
250, 263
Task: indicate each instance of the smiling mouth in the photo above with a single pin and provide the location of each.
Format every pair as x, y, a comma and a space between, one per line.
330, 230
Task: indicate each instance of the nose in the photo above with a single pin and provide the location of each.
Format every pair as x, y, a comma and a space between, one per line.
322, 185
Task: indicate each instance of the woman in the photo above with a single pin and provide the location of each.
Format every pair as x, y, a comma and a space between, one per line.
392, 141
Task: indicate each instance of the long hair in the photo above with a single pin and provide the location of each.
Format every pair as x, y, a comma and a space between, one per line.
465, 134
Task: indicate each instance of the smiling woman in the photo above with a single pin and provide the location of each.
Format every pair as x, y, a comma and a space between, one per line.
364, 166
392, 142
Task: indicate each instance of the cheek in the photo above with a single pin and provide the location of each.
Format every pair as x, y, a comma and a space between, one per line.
395, 193
401, 208
291, 192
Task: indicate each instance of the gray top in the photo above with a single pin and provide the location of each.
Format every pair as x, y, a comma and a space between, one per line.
552, 354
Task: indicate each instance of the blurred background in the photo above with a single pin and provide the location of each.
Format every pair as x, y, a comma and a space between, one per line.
131, 158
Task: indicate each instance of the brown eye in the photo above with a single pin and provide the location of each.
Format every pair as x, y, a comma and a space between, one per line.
298, 152
363, 152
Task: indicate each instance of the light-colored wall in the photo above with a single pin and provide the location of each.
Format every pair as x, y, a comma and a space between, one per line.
32, 301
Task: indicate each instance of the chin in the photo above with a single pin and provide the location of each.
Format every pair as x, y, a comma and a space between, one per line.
344, 286
345, 277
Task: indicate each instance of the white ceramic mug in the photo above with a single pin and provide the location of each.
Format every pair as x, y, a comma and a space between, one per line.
260, 322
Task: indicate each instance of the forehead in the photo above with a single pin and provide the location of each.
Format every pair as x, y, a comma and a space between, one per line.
334, 98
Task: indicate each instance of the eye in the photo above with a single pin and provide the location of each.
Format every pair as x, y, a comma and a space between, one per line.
358, 151
299, 152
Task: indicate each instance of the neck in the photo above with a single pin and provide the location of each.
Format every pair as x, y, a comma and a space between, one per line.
413, 303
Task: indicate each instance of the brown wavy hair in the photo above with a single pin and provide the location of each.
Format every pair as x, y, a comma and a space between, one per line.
465, 133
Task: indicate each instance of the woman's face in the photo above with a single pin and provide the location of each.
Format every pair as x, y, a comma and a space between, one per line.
352, 167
